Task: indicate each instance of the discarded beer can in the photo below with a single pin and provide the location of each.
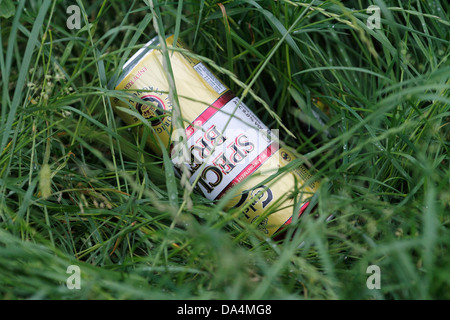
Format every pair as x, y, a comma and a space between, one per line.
227, 148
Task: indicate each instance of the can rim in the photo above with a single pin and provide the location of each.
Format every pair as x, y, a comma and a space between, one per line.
136, 58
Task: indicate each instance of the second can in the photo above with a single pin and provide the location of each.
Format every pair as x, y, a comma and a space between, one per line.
228, 149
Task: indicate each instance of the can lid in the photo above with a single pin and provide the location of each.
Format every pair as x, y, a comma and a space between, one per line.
134, 60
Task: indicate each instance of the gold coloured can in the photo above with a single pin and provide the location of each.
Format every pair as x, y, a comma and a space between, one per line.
227, 148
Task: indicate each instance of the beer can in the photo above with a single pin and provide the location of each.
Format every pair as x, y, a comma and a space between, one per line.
227, 147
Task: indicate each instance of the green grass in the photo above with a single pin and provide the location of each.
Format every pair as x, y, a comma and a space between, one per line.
77, 187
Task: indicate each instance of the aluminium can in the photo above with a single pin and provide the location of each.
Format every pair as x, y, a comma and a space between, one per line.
227, 148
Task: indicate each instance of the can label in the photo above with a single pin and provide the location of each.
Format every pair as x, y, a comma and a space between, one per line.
224, 149
227, 148
209, 77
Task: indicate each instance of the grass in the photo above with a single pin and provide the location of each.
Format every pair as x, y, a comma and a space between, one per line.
78, 187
